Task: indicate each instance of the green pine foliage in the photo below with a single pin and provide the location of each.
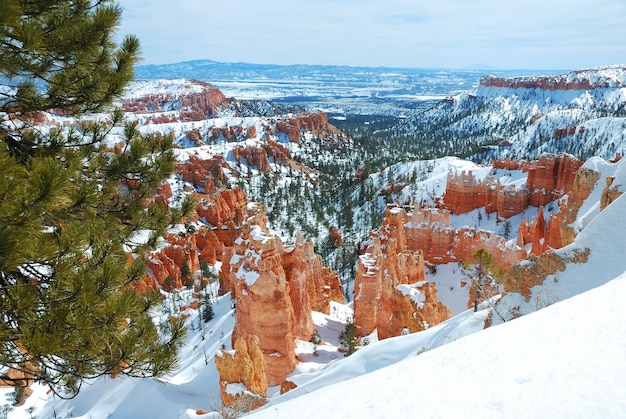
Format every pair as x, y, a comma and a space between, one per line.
207, 309
70, 208
348, 339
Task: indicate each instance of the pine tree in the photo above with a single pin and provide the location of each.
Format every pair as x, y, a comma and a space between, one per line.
349, 339
485, 272
70, 207
207, 310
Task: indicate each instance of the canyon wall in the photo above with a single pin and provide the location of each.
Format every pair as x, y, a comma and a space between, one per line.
428, 230
574, 80
199, 102
549, 178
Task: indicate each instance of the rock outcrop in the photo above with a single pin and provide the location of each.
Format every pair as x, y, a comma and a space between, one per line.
390, 292
195, 99
316, 123
574, 80
429, 231
261, 156
166, 265
275, 287
203, 173
263, 299
521, 277
610, 192
549, 178
243, 383
584, 182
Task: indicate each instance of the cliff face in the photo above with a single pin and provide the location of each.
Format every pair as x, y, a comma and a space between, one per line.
304, 269
523, 276
608, 77
584, 183
390, 292
195, 99
316, 123
429, 231
263, 299
204, 173
166, 264
549, 178
260, 157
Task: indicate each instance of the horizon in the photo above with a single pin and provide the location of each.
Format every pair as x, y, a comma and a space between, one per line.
476, 67
529, 35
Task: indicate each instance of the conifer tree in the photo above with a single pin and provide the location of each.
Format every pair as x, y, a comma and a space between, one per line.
348, 338
71, 207
207, 311
485, 272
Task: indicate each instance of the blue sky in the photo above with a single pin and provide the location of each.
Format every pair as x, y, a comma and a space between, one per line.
505, 34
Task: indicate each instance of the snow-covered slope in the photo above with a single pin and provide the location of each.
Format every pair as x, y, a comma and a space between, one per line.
533, 366
560, 362
580, 112
600, 234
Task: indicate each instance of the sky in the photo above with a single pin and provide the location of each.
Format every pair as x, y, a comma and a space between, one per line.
511, 34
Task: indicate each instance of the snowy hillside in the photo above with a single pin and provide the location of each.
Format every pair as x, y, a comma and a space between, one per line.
527, 367
579, 112
560, 362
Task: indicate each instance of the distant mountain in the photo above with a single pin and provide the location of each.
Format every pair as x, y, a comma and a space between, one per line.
338, 89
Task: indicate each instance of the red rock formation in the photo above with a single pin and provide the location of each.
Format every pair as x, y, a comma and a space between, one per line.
227, 206
286, 386
522, 277
275, 288
316, 123
262, 294
508, 164
252, 156
464, 192
564, 132
429, 230
335, 237
168, 261
379, 271
540, 244
243, 383
610, 192
575, 80
584, 182
387, 264
303, 265
193, 106
163, 194
551, 177
203, 173
511, 201
210, 247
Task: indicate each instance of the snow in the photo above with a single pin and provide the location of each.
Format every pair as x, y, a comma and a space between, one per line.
416, 296
559, 362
